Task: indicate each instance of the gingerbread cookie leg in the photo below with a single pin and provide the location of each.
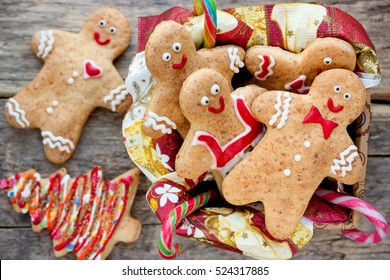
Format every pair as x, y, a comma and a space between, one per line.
59, 143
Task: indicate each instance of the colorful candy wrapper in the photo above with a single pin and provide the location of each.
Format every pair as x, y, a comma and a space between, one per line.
205, 216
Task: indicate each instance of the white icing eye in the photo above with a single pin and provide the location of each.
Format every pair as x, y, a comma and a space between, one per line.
347, 96
327, 60
204, 101
337, 89
214, 89
176, 47
166, 56
102, 23
112, 30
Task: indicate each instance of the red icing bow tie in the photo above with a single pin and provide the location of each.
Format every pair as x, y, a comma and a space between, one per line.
315, 116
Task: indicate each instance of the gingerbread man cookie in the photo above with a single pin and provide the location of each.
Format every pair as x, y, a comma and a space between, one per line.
83, 215
171, 57
78, 76
277, 69
306, 141
222, 125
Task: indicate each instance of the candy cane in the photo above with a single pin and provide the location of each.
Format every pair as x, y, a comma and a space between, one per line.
363, 207
209, 9
175, 217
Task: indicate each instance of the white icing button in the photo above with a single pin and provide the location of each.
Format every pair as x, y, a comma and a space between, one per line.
55, 103
50, 110
307, 144
287, 172
75, 74
70, 81
297, 157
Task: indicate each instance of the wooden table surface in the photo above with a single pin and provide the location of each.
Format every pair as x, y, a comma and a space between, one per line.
101, 142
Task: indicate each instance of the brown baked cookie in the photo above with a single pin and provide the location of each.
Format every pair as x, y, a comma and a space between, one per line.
222, 126
78, 76
306, 141
277, 69
83, 215
171, 57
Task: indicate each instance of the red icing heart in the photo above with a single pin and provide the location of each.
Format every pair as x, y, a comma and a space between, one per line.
92, 70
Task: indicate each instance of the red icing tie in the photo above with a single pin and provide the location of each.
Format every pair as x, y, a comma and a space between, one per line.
315, 116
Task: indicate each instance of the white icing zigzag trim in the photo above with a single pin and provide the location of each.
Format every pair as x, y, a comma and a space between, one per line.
343, 161
53, 141
277, 106
119, 94
154, 118
46, 43
279, 112
286, 110
15, 111
234, 59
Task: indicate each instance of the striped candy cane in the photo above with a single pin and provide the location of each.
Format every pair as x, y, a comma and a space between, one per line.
175, 217
363, 207
208, 7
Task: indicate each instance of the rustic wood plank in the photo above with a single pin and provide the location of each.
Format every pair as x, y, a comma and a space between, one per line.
22, 243
379, 142
19, 64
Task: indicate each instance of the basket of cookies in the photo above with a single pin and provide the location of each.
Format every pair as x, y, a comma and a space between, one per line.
252, 125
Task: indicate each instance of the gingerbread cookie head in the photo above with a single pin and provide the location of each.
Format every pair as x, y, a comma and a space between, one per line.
339, 95
329, 53
204, 95
108, 28
169, 48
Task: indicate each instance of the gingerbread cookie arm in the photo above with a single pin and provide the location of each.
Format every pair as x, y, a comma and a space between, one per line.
45, 41
268, 64
346, 167
250, 93
227, 60
189, 152
115, 96
272, 107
